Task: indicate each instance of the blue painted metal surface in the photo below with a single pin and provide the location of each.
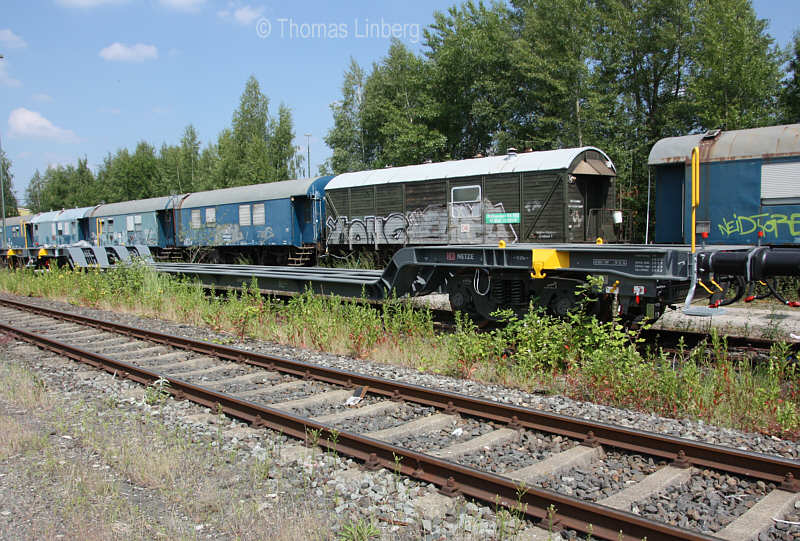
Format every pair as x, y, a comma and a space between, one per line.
147, 222
16, 232
58, 228
733, 165
288, 213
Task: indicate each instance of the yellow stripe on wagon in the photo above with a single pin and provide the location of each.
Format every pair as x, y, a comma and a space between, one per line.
547, 259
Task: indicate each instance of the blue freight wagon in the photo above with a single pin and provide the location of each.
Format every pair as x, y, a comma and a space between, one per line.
16, 232
60, 227
272, 223
749, 186
146, 222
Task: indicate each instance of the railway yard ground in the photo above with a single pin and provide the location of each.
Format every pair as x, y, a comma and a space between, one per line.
85, 453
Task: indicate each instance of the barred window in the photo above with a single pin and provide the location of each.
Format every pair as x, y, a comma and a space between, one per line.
244, 215
259, 218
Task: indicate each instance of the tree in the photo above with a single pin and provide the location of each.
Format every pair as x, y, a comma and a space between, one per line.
257, 148
735, 75
189, 157
561, 103
34, 193
475, 77
8, 181
346, 138
790, 93
399, 110
283, 156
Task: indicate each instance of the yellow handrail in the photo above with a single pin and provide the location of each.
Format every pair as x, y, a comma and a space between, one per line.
695, 192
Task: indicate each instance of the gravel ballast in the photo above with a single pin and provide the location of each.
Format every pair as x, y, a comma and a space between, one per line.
679, 506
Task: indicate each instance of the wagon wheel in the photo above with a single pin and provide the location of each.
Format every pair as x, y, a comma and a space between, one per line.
461, 300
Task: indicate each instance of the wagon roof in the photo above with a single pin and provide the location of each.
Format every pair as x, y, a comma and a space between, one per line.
49, 216
250, 193
132, 207
566, 159
14, 220
769, 142
74, 214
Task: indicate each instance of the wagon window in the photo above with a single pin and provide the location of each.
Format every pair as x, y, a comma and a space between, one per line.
211, 215
465, 202
129, 223
307, 211
196, 223
53, 229
244, 215
780, 183
259, 218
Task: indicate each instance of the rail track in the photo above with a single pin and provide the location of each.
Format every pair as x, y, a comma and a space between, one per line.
494, 452
736, 347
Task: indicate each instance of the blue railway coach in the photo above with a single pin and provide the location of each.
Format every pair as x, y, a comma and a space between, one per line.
269, 223
749, 186
147, 222
59, 227
17, 232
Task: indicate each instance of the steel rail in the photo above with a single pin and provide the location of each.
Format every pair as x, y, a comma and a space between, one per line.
454, 479
686, 452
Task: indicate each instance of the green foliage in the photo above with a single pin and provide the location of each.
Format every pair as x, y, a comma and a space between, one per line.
790, 93
735, 77
399, 110
360, 530
157, 392
542, 74
479, 80
8, 183
347, 138
577, 356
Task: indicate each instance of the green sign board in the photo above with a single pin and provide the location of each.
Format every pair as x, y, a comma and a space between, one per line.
503, 218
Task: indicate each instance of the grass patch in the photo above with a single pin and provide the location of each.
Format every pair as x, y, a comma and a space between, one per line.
83, 470
16, 438
578, 356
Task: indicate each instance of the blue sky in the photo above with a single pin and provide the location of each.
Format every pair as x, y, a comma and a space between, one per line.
85, 77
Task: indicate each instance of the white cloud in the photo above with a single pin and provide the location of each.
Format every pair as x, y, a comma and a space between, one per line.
244, 15
88, 3
25, 123
6, 79
119, 52
11, 40
183, 5
42, 97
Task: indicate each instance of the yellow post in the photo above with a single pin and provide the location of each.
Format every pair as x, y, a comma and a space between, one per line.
695, 192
